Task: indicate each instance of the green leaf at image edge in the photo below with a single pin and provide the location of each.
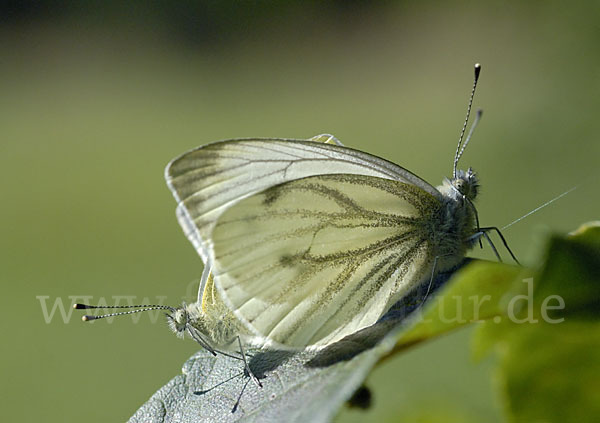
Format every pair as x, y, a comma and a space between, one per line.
478, 292
549, 369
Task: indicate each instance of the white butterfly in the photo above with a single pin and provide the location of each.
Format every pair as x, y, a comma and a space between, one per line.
311, 241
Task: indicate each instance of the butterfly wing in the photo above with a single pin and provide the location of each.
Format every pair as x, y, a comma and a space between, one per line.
207, 180
307, 262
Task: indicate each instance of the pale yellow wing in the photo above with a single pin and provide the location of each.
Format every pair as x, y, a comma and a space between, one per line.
210, 298
310, 261
207, 180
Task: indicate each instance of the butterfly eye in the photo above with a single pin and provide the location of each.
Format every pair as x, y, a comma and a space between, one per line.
180, 319
461, 186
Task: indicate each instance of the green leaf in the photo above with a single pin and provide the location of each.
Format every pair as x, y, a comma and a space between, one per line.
552, 373
478, 292
549, 368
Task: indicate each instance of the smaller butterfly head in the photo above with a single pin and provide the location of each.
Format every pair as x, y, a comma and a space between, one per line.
466, 183
178, 320
464, 186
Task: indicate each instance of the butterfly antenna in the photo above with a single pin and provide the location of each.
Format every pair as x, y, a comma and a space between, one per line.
139, 307
464, 128
470, 134
540, 207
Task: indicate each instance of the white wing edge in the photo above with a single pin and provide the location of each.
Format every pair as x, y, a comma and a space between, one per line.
336, 146
204, 280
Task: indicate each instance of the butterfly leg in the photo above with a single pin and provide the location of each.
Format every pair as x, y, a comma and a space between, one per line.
196, 336
470, 203
243, 353
205, 391
483, 233
435, 260
199, 339
489, 240
237, 403
493, 228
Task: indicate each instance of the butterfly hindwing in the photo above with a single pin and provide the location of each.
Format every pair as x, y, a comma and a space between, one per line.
307, 262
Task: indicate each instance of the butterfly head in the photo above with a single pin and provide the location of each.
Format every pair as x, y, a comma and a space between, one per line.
466, 183
178, 320
464, 186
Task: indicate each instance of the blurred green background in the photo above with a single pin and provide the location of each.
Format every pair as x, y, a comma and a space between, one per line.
98, 96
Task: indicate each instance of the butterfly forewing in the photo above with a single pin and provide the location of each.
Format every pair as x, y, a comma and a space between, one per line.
207, 180
307, 262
